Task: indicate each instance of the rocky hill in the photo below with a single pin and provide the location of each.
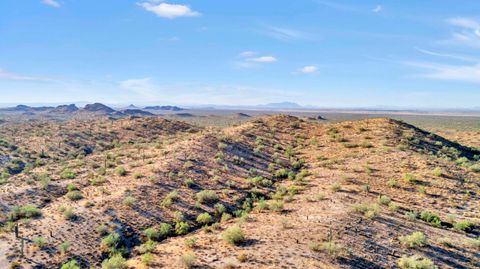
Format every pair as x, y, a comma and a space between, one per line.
270, 193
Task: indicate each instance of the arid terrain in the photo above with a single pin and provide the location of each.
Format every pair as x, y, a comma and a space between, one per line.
109, 189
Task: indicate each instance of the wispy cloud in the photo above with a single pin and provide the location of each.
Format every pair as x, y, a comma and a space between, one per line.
52, 3
145, 87
247, 54
169, 11
309, 69
465, 68
468, 32
251, 59
263, 59
448, 55
5, 75
150, 90
286, 34
377, 9
464, 73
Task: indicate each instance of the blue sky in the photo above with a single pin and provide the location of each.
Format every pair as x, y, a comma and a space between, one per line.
328, 53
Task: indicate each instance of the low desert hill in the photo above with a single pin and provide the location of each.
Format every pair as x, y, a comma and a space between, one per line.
274, 192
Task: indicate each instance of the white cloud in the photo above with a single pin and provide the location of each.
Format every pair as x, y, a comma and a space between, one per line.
309, 69
144, 87
448, 55
468, 33
464, 73
263, 59
169, 11
464, 23
249, 59
247, 54
16, 77
286, 34
52, 3
377, 9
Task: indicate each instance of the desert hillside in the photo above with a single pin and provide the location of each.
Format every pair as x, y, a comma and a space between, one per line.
273, 192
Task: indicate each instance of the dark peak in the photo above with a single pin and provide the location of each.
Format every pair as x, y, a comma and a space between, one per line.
22, 107
136, 112
25, 108
132, 106
65, 109
242, 115
98, 107
171, 108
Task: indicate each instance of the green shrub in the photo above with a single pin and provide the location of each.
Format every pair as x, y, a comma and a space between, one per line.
169, 199
393, 206
165, 229
415, 262
438, 172
422, 189
178, 216
463, 225
219, 209
147, 259
190, 242
121, 171
281, 173
204, 218
147, 247
74, 195
207, 196
64, 247
40, 242
368, 210
67, 173
102, 229
71, 187
181, 228
275, 205
392, 183
234, 235
72, 264
26, 211
384, 200
111, 240
129, 201
431, 218
225, 217
412, 215
115, 262
332, 248
151, 234
475, 243
475, 168
416, 239
336, 187
189, 182
187, 260
68, 214
409, 178
448, 242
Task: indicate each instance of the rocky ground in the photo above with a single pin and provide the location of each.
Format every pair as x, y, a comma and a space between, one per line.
304, 195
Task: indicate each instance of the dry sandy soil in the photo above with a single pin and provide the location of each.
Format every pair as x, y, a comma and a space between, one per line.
304, 194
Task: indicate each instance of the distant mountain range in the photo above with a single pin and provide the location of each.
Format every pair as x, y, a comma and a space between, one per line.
169, 108
95, 108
